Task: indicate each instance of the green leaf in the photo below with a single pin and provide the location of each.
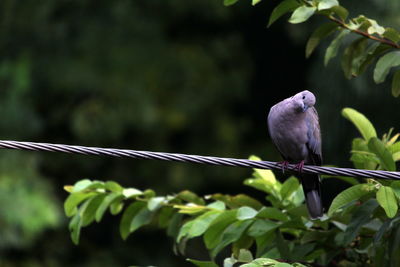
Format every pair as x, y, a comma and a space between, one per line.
217, 205
386, 160
386, 198
232, 233
130, 212
352, 57
131, 192
106, 203
289, 187
198, 226
261, 227
333, 48
75, 226
384, 64
191, 197
283, 8
143, 217
155, 203
396, 84
116, 206
81, 185
245, 213
255, 2
213, 234
272, 213
203, 263
349, 195
88, 214
361, 216
363, 125
326, 4
302, 14
113, 187
174, 225
341, 12
229, 2
372, 52
392, 34
245, 255
73, 200
321, 32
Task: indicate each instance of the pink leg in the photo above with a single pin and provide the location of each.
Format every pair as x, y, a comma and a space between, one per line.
284, 165
300, 166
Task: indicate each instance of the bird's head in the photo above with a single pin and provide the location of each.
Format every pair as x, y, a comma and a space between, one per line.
303, 100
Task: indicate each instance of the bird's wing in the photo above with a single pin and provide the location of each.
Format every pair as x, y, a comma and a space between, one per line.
314, 136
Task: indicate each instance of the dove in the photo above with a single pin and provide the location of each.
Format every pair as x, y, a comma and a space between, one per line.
293, 125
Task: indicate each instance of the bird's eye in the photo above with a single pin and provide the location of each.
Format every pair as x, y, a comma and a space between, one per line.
304, 97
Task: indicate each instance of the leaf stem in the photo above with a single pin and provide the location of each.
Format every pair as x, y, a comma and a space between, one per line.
365, 34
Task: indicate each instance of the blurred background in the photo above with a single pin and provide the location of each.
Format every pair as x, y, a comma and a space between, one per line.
175, 76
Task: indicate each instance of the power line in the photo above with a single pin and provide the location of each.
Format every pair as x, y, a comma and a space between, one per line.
207, 160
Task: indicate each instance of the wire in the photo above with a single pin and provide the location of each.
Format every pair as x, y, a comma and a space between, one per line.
232, 162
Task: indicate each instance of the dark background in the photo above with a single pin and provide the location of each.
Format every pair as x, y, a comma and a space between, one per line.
175, 76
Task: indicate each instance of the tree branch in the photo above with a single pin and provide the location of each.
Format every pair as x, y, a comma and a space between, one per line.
365, 34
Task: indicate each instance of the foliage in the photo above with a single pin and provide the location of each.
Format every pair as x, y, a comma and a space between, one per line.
375, 43
274, 232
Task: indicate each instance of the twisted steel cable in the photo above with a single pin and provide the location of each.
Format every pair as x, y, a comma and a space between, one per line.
232, 162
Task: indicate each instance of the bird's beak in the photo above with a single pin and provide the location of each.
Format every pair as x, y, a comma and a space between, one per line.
305, 107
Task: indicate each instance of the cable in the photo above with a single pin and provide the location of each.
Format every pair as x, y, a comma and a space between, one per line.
232, 162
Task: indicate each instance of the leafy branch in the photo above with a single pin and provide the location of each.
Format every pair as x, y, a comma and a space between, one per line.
274, 232
359, 54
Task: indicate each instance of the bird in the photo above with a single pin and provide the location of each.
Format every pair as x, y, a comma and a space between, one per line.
293, 126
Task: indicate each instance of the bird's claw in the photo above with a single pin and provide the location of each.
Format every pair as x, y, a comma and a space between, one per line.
300, 166
284, 165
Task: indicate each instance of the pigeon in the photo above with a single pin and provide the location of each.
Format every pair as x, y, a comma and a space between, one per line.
294, 129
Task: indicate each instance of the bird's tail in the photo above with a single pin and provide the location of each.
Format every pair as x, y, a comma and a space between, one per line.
312, 193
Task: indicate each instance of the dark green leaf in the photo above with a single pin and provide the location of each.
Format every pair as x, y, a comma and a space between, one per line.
106, 203
213, 235
361, 216
349, 195
191, 197
302, 14
341, 12
229, 2
73, 200
143, 217
386, 198
363, 125
165, 215
352, 56
261, 227
321, 32
386, 160
396, 84
174, 225
232, 233
88, 214
333, 48
394, 245
130, 212
283, 8
392, 34
384, 64
372, 52
283, 246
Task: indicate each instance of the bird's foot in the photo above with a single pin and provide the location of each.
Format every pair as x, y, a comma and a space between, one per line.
300, 166
284, 165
